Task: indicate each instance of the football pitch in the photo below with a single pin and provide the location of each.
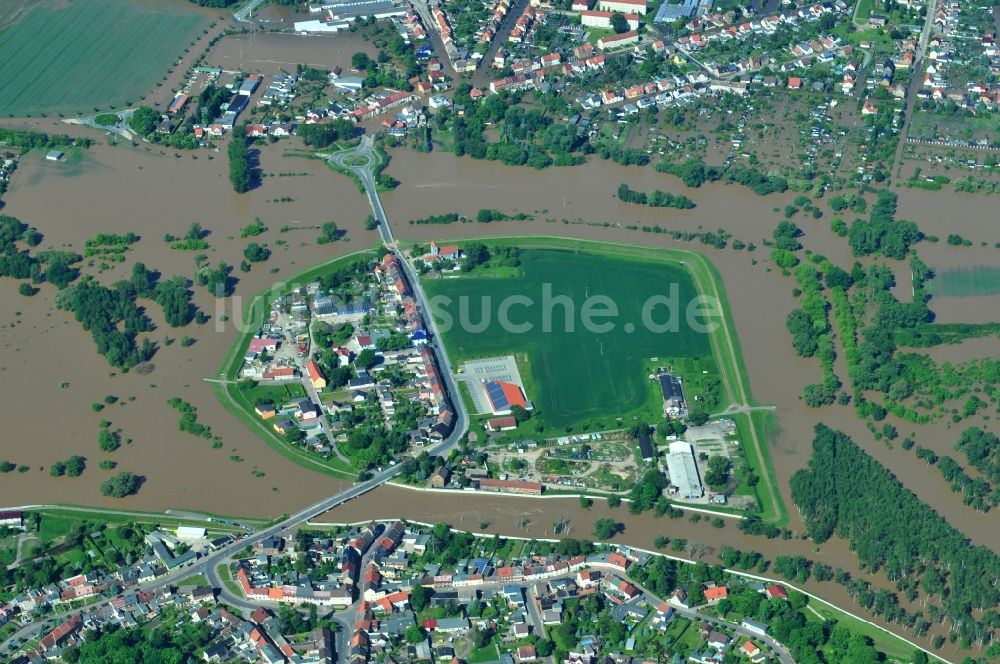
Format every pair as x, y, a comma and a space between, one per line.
72, 57
575, 374
967, 281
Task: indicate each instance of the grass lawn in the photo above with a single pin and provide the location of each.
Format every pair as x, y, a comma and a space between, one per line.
965, 281
596, 33
681, 635
886, 642
576, 376
8, 550
193, 580
864, 10
765, 424
52, 526
725, 345
278, 395
487, 654
71, 57
941, 126
227, 580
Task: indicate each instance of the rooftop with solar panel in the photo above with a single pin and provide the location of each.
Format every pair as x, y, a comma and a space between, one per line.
494, 384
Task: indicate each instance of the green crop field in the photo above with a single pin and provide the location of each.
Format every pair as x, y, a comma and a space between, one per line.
72, 57
965, 281
575, 375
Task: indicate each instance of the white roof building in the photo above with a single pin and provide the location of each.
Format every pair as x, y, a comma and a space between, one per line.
190, 533
683, 470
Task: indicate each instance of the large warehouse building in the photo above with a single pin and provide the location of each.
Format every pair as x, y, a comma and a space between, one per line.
683, 470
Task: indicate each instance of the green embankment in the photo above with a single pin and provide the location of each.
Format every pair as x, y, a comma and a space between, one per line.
725, 346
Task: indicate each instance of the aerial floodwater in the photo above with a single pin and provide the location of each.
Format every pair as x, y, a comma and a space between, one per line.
128, 191
258, 262
155, 194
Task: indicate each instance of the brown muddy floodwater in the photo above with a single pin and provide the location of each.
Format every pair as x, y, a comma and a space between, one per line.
503, 515
975, 218
117, 190
437, 183
273, 52
125, 189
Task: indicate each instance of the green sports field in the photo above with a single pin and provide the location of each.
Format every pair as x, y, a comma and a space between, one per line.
74, 56
575, 376
965, 281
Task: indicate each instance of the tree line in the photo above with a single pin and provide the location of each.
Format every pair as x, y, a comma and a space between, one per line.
694, 172
28, 139
846, 492
240, 169
657, 198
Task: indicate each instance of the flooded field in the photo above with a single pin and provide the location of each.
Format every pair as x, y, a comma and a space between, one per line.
124, 189
504, 515
117, 190
438, 183
272, 52
973, 217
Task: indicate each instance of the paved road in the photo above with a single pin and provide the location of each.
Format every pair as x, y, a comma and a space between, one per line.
121, 128
313, 395
435, 38
242, 14
359, 161
915, 83
208, 565
484, 72
346, 159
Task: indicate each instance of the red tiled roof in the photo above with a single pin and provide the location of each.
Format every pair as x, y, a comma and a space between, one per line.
776, 591
313, 369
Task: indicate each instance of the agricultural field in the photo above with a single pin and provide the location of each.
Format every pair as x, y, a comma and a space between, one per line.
80, 55
577, 377
966, 281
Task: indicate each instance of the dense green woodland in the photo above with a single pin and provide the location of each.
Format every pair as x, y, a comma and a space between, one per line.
847, 493
163, 645
883, 234
982, 449
240, 169
28, 140
110, 314
657, 198
695, 172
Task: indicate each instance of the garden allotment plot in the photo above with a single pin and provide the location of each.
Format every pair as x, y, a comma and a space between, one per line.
576, 376
69, 57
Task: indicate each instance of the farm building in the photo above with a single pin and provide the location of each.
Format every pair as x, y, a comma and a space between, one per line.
316, 377
12, 519
178, 104
683, 470
503, 396
673, 395
54, 155
646, 450
506, 423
